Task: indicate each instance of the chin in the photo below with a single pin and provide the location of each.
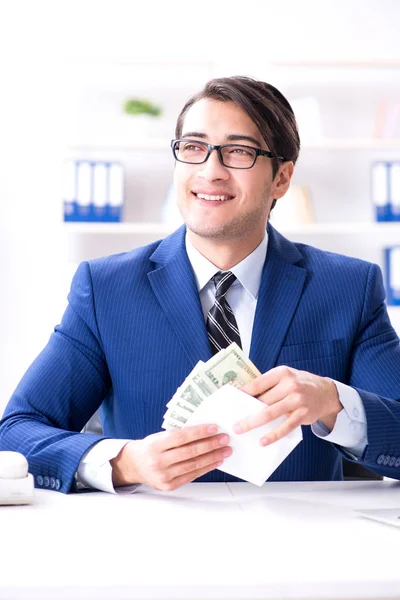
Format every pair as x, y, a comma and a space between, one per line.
222, 232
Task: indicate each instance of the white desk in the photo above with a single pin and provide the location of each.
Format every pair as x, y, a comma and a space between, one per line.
284, 540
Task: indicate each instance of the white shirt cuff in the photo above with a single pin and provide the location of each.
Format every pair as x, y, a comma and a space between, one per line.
350, 430
95, 470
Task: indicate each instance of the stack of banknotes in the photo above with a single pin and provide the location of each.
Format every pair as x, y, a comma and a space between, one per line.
230, 365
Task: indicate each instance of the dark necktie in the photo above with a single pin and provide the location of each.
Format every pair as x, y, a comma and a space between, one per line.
221, 323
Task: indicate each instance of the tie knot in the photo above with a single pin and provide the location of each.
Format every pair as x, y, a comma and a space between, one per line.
223, 282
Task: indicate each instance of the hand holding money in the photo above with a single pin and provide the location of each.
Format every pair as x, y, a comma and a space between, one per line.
225, 391
170, 459
230, 365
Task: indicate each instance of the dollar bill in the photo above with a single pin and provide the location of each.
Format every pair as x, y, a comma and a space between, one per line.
189, 396
181, 387
230, 365
233, 368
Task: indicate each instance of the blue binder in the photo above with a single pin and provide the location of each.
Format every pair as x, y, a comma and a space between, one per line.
69, 190
392, 275
380, 186
394, 190
93, 191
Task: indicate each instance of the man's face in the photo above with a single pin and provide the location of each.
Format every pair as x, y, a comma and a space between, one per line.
247, 193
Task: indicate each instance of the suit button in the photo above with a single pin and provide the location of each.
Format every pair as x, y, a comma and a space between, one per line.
380, 459
39, 480
58, 484
392, 461
397, 463
387, 459
46, 481
52, 483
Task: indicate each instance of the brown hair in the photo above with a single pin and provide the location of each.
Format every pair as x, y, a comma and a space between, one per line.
266, 107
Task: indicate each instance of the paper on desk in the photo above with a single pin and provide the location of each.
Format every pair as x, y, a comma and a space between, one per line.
249, 460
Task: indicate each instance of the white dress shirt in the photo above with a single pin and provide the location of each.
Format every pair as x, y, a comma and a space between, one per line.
350, 430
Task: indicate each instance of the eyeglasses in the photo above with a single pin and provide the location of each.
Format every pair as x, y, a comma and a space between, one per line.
233, 156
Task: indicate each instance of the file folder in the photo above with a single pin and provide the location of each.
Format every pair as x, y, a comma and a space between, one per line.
380, 184
93, 191
115, 192
84, 192
69, 190
394, 189
392, 275
100, 191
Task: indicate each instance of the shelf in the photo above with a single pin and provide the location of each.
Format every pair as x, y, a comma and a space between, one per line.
164, 144
164, 229
352, 74
343, 229
352, 144
145, 143
338, 64
161, 229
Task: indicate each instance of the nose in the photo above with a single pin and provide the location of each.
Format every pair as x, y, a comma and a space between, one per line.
213, 169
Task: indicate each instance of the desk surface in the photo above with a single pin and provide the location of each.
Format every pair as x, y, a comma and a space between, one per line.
284, 540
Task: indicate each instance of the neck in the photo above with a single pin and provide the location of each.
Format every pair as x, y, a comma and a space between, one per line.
224, 254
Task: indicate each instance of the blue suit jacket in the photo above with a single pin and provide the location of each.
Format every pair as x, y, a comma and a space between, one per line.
134, 329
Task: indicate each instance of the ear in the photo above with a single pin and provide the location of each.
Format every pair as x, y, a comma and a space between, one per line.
282, 180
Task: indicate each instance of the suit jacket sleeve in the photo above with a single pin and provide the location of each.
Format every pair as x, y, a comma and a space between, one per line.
375, 374
60, 391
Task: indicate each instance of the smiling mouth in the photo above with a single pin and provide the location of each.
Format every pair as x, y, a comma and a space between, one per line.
210, 198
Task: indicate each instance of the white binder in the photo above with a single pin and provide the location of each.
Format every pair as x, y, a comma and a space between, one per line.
380, 190
84, 192
100, 189
115, 190
394, 187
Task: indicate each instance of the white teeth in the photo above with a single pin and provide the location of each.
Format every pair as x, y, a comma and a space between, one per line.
207, 197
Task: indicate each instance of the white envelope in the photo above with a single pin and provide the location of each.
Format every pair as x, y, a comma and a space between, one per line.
249, 460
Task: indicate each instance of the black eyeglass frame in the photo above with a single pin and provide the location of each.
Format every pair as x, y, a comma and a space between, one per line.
211, 147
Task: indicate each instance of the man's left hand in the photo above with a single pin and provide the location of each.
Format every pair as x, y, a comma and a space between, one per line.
304, 397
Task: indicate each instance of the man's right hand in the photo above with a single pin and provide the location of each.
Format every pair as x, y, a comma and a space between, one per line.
169, 459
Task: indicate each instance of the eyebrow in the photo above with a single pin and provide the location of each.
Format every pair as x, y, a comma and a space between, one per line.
234, 137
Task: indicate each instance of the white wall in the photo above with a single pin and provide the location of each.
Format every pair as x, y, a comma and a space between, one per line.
30, 151
35, 40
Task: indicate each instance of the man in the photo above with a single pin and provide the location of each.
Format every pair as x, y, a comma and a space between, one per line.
314, 323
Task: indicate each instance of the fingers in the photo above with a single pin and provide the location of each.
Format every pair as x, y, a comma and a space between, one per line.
267, 414
198, 463
265, 382
167, 467
190, 476
191, 451
175, 439
293, 420
289, 425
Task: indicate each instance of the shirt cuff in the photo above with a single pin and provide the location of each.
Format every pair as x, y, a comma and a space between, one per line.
95, 471
350, 430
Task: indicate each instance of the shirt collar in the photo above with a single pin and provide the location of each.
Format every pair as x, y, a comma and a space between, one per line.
248, 271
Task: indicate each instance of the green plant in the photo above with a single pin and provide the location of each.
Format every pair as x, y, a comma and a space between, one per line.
136, 106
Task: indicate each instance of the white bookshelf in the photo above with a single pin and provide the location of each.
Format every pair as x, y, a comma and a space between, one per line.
362, 240
335, 166
119, 228
334, 229
338, 64
145, 144
352, 144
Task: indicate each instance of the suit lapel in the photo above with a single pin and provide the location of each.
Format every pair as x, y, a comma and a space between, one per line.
280, 290
175, 287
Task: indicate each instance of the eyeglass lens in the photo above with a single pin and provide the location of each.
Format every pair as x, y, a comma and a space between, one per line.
232, 156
